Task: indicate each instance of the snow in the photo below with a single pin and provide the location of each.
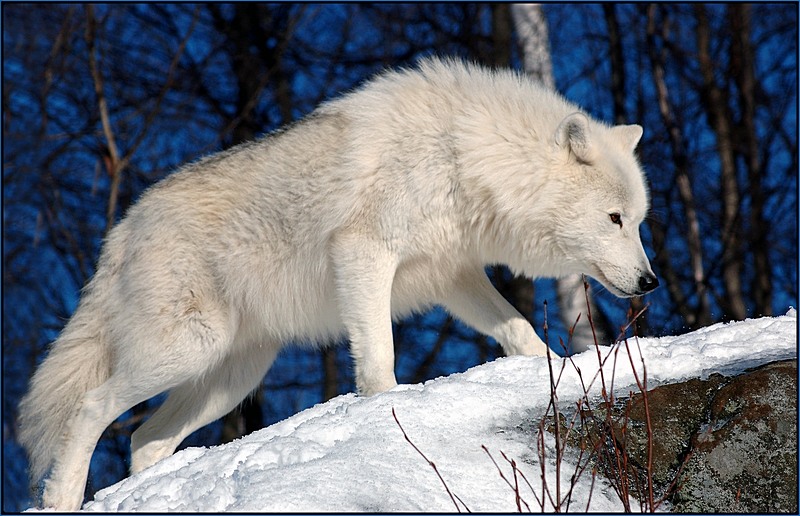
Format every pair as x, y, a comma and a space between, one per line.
349, 455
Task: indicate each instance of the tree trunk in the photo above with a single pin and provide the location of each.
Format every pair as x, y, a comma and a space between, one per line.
330, 374
532, 35
617, 63
701, 315
619, 93
501, 35
715, 105
743, 72
533, 39
247, 36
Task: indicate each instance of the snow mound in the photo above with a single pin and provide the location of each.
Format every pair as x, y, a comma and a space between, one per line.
349, 455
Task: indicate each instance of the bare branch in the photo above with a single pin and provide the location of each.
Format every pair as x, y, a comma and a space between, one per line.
431, 464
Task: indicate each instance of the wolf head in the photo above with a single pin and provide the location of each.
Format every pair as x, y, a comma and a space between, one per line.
598, 232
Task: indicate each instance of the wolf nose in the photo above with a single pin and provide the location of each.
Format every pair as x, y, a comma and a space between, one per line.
648, 282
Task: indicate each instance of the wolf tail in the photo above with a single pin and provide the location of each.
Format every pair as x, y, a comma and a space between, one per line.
79, 361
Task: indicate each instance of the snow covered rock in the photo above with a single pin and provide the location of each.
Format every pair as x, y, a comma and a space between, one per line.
349, 455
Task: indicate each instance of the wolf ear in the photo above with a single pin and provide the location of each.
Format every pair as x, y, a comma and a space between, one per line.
628, 135
573, 134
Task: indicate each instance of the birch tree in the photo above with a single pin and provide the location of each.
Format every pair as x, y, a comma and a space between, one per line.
533, 40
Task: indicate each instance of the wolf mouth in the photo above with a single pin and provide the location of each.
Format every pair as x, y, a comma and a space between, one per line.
598, 274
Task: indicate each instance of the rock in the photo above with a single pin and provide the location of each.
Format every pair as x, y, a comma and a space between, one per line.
744, 458
719, 445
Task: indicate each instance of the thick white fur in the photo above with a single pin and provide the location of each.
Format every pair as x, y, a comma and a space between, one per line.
387, 200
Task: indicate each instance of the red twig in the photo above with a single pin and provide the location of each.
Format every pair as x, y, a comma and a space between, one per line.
642, 386
556, 414
432, 465
515, 486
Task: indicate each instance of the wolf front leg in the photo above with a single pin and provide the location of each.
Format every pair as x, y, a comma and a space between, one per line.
364, 270
475, 301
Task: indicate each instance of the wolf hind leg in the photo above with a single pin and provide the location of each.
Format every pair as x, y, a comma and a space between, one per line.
188, 348
64, 488
196, 403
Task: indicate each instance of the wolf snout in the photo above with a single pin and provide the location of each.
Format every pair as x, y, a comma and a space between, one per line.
647, 282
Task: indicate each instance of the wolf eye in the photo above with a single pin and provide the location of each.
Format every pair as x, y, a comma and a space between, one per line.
616, 218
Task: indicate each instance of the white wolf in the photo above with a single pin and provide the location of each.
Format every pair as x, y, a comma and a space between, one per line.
387, 200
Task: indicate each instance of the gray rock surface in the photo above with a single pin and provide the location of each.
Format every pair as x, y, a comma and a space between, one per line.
744, 457
725, 444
